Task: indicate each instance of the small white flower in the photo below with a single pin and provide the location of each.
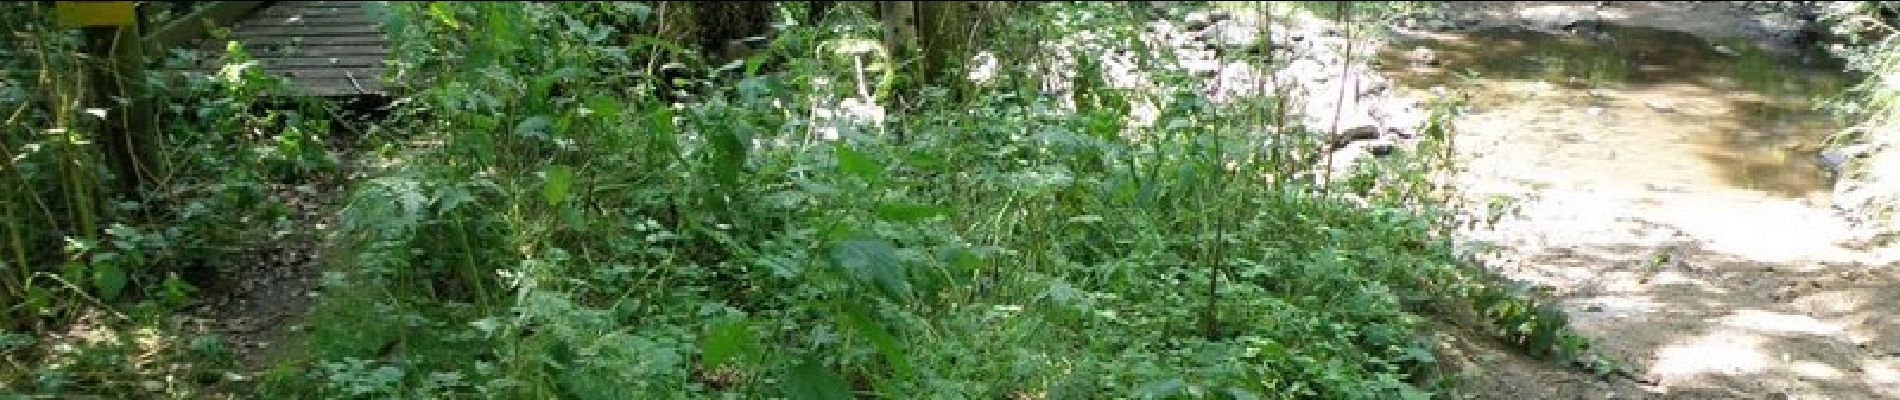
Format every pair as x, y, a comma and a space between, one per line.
234, 73
97, 112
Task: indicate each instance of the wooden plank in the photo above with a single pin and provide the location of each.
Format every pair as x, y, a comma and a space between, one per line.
335, 8
326, 73
279, 12
338, 86
273, 50
319, 51
310, 4
311, 63
319, 86
314, 42
274, 31
194, 26
323, 62
304, 22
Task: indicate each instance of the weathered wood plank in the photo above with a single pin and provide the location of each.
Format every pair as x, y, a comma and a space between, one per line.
253, 31
310, 4
319, 51
323, 62
276, 12
313, 42
318, 86
302, 73
297, 16
321, 8
305, 23
339, 86
352, 62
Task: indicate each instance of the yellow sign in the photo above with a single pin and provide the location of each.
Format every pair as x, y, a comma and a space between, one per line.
76, 14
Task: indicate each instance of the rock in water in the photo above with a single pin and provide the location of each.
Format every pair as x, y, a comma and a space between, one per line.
1422, 56
1834, 160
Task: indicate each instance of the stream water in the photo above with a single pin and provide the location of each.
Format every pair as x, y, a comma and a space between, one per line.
1636, 108
1666, 189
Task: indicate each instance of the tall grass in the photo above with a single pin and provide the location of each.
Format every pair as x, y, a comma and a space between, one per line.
54, 189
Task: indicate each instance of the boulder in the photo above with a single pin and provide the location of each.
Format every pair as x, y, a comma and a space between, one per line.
1835, 160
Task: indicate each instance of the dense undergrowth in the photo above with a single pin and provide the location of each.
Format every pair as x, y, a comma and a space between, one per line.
534, 223
92, 275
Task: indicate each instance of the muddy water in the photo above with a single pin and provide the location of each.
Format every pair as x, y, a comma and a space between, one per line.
1632, 108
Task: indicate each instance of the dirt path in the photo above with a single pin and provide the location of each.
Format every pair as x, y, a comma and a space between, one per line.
259, 304
1677, 213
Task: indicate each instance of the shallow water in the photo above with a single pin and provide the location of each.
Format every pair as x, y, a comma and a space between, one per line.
1637, 108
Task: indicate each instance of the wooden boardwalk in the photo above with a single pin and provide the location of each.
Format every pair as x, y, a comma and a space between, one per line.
323, 48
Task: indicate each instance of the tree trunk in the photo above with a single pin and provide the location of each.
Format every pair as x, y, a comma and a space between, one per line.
714, 28
938, 35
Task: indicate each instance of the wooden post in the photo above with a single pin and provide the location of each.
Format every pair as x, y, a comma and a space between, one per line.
128, 139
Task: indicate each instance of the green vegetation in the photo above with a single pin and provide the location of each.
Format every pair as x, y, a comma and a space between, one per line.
107, 269
1864, 38
532, 221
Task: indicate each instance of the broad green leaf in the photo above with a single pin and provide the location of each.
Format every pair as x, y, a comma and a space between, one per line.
1161, 389
665, 144
72, 271
440, 10
811, 381
606, 107
882, 340
857, 164
725, 341
38, 300
729, 152
557, 179
108, 279
873, 261
909, 212
175, 290
534, 126
1241, 394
